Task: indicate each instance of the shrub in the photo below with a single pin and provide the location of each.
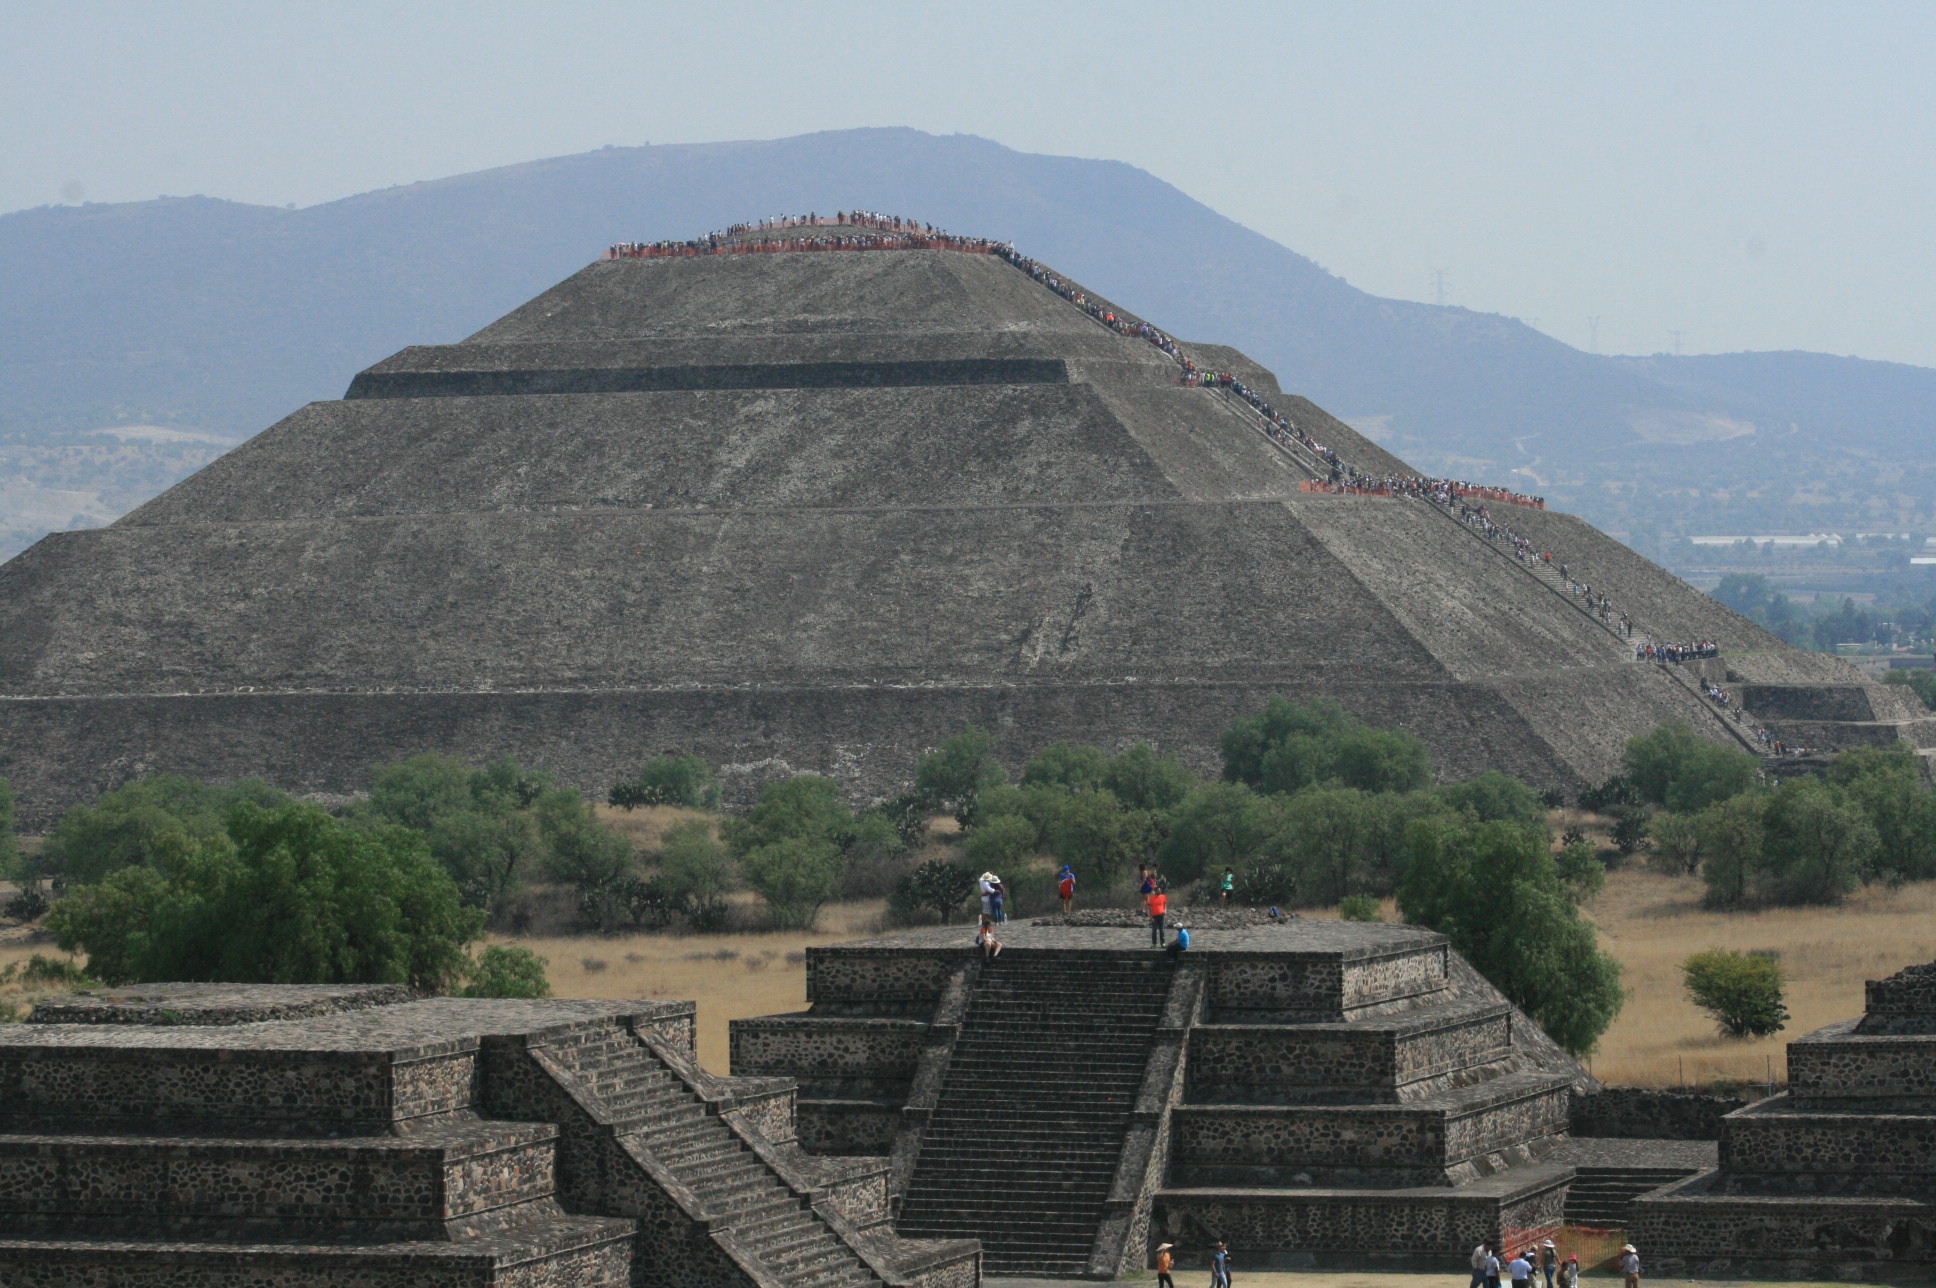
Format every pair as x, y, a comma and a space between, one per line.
286, 895
669, 780
52, 971
936, 887
579, 850
1605, 798
1742, 991
506, 972
1580, 869
795, 876
1493, 797
1360, 907
1266, 884
28, 905
1495, 891
1629, 833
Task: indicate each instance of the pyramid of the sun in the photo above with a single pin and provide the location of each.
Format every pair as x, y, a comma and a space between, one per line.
813, 512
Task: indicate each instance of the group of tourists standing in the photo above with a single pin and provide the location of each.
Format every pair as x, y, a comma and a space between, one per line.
1219, 1266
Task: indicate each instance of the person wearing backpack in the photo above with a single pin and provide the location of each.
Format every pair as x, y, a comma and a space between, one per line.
1065, 888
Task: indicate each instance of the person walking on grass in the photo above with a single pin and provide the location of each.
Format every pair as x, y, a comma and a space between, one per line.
1549, 1261
1065, 889
1220, 1264
1157, 904
1163, 1264
1630, 1265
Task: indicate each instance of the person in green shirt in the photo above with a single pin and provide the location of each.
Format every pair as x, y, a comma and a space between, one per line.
1226, 886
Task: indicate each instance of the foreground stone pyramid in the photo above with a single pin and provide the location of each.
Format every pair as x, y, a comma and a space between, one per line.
1306, 1091
812, 512
231, 1136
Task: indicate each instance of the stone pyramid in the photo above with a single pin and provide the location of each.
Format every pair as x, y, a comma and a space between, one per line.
812, 512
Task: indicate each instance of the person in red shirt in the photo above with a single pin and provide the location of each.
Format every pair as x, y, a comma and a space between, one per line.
1158, 903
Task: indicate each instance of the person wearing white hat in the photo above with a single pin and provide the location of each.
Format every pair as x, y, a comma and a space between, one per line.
1630, 1265
1549, 1261
1164, 1262
988, 885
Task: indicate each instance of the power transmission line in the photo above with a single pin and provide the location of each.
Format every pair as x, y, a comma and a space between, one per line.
1593, 334
1438, 287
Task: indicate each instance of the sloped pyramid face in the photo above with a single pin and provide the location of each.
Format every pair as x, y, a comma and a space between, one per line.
812, 512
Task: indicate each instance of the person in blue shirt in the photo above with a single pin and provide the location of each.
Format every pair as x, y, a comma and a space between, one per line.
1180, 943
1220, 1267
1065, 888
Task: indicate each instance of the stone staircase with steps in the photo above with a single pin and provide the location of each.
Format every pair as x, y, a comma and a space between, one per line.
1017, 1152
1602, 1197
656, 1114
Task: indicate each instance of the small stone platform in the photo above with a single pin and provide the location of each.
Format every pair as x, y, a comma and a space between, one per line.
243, 1136
1836, 1178
1301, 1088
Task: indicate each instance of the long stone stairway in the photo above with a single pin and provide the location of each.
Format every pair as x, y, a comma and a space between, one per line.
657, 1116
1027, 1134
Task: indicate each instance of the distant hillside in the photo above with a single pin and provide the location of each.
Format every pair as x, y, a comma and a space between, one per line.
217, 318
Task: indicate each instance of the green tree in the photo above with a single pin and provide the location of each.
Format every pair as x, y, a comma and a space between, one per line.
1337, 841
481, 824
695, 870
1816, 845
999, 843
1886, 784
937, 886
1495, 892
286, 895
1288, 747
806, 806
1073, 767
579, 850
796, 876
1218, 824
1729, 836
1581, 872
122, 827
500, 971
1143, 780
1676, 843
1094, 832
1742, 991
951, 778
669, 780
1677, 768
1494, 797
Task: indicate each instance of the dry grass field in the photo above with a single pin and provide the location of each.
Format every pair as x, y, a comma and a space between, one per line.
1650, 923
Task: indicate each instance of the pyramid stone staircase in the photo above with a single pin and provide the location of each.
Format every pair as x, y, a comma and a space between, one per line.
1302, 1089
1015, 1153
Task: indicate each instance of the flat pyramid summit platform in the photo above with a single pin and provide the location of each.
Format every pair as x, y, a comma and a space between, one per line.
811, 512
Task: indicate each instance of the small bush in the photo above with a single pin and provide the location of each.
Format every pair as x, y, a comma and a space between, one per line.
507, 972
593, 965
28, 905
52, 971
1359, 907
669, 780
1742, 991
1630, 830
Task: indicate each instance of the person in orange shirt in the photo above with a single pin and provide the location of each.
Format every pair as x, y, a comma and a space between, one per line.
1158, 903
1163, 1264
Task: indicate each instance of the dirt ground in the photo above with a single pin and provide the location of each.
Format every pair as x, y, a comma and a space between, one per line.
1455, 1276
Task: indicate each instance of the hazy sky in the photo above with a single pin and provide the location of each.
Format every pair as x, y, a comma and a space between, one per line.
1755, 176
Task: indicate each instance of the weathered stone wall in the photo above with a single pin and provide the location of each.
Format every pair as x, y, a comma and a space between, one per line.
1840, 1065
1774, 1148
1691, 1230
848, 1127
863, 979
1321, 988
832, 1056
1645, 1113
1272, 1064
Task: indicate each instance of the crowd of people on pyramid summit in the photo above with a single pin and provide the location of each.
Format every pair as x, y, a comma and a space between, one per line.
887, 232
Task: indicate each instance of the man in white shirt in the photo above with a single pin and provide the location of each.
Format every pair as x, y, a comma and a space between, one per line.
1520, 1269
1630, 1265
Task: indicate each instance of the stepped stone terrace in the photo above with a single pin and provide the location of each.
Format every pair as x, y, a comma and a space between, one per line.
264, 1137
1298, 1088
